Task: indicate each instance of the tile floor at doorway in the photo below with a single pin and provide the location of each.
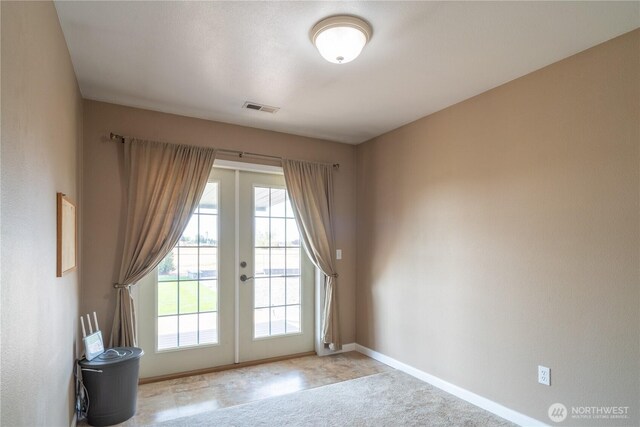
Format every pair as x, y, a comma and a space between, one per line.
171, 399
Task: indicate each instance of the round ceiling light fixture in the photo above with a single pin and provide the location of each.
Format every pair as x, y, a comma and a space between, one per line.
340, 39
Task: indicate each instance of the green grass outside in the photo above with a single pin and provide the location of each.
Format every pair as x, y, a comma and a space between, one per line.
168, 297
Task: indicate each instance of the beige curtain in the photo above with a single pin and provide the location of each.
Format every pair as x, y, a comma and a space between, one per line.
310, 187
165, 184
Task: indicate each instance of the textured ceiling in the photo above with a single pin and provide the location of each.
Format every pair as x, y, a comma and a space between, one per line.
205, 59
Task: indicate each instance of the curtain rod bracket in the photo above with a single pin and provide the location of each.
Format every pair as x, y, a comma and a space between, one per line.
116, 137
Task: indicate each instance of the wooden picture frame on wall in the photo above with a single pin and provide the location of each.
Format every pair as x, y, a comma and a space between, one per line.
67, 235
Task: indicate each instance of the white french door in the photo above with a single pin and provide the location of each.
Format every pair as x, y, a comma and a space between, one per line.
278, 275
195, 312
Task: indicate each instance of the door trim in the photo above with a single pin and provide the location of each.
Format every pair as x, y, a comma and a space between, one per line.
237, 269
248, 167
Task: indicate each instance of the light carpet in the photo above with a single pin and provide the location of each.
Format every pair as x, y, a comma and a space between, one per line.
387, 399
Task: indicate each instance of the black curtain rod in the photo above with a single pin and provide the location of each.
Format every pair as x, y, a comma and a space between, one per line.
241, 154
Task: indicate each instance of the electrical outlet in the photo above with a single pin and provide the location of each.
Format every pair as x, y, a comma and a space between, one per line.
544, 375
338, 253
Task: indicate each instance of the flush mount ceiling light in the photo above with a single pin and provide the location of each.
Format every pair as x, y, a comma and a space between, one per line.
340, 39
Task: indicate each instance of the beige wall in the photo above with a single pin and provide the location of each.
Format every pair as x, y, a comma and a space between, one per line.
493, 236
41, 135
103, 192
503, 233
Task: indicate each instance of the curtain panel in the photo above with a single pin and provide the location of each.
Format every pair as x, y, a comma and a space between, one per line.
310, 187
164, 185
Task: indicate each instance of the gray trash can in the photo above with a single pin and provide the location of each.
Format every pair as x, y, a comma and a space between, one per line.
111, 380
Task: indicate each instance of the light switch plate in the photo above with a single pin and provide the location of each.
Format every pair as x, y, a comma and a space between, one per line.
339, 254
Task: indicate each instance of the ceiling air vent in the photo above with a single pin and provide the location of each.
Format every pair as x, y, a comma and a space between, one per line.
260, 107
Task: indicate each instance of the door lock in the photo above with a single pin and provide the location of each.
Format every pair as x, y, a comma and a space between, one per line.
243, 264
244, 278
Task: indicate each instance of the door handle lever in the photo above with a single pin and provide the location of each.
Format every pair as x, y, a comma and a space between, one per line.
244, 278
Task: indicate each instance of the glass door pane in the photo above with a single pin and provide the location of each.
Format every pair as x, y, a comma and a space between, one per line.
277, 262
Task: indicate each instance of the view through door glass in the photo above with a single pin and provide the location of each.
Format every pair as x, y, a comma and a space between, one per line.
277, 264
188, 281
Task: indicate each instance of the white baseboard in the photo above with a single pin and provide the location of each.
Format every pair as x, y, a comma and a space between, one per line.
345, 348
482, 402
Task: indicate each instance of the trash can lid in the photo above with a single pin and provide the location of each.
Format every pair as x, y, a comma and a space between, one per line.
112, 356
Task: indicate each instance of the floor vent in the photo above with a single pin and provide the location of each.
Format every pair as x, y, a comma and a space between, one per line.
260, 107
